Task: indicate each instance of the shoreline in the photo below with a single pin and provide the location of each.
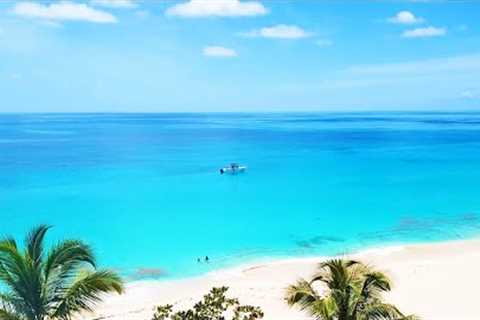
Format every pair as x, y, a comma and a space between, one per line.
274, 259
424, 275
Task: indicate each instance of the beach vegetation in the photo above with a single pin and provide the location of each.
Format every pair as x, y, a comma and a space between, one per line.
48, 285
214, 306
345, 290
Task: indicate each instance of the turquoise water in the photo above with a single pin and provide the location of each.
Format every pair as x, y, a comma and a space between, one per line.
145, 191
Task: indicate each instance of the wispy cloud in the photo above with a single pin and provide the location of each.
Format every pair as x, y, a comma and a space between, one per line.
469, 94
121, 4
62, 11
424, 32
414, 84
217, 8
16, 76
405, 17
280, 31
218, 51
466, 63
142, 13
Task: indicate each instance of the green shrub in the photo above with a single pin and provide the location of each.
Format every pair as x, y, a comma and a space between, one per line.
214, 306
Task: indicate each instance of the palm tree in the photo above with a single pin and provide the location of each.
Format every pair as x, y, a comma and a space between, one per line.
352, 291
40, 285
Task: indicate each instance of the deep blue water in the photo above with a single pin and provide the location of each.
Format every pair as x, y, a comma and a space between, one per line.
145, 191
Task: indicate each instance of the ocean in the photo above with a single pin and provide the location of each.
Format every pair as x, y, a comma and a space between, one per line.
145, 189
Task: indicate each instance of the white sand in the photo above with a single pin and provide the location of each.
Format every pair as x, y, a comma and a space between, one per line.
435, 281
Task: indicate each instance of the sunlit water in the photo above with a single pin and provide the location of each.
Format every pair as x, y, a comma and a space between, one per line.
145, 190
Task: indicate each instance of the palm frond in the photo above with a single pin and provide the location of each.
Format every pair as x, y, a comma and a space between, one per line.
335, 273
10, 257
13, 304
63, 263
372, 286
7, 315
410, 317
67, 256
34, 243
324, 309
7, 278
304, 296
14, 271
301, 294
381, 311
20, 273
378, 281
8, 241
353, 291
41, 286
86, 292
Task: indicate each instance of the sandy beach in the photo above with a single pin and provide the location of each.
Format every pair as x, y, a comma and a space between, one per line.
434, 281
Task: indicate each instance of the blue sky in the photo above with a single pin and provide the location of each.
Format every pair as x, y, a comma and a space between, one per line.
232, 55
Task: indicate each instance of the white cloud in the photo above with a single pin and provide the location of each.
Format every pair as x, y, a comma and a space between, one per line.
217, 8
122, 4
63, 10
217, 51
324, 43
405, 17
424, 32
280, 31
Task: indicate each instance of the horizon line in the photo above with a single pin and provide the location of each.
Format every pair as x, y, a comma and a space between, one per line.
244, 112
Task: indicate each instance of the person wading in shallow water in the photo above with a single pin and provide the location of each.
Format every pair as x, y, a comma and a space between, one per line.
206, 259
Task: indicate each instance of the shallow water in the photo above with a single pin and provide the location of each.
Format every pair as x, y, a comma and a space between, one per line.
144, 189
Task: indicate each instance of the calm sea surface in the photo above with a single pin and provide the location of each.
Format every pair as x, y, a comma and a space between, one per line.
145, 191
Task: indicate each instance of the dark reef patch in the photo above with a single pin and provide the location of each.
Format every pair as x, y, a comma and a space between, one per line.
434, 227
148, 273
318, 241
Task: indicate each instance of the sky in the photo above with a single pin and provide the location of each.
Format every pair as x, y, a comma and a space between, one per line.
239, 55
